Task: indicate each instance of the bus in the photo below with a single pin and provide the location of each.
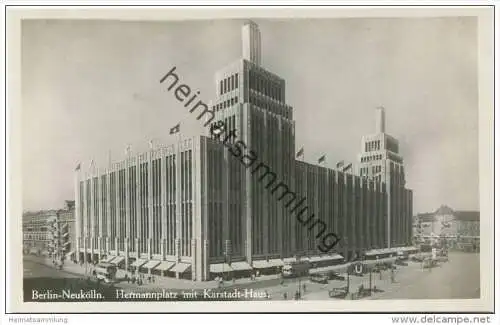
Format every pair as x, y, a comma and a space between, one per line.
296, 269
106, 272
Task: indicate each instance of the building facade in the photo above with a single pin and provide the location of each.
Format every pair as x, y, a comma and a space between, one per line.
64, 231
38, 233
381, 161
50, 232
458, 228
212, 204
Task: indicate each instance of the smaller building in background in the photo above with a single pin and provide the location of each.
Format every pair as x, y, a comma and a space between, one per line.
50, 233
65, 231
37, 232
456, 229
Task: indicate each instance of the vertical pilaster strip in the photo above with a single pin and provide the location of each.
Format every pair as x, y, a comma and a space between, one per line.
85, 218
108, 210
78, 216
249, 183
92, 215
127, 212
117, 209
163, 198
150, 203
99, 217
139, 198
178, 203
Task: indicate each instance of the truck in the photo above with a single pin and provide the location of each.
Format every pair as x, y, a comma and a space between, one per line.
106, 272
296, 269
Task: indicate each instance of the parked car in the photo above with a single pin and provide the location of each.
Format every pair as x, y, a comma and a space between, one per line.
401, 263
319, 278
332, 275
338, 292
381, 266
417, 258
442, 258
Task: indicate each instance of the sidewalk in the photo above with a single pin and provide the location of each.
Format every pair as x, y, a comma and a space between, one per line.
160, 281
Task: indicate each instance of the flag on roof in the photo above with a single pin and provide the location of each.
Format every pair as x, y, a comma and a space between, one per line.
175, 129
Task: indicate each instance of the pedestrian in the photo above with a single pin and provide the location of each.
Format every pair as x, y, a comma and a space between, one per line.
304, 287
284, 296
153, 278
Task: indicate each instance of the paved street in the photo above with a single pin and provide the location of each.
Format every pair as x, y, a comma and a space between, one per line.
457, 279
31, 269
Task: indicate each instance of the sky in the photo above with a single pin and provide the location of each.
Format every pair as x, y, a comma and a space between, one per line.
91, 88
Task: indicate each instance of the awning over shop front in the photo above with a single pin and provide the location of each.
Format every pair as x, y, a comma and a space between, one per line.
305, 258
407, 249
164, 266
263, 264
333, 257
220, 268
276, 262
108, 259
338, 268
138, 263
373, 252
117, 260
70, 253
289, 259
181, 267
151, 264
240, 266
326, 258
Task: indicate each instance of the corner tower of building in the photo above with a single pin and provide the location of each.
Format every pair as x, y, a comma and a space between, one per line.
251, 100
380, 160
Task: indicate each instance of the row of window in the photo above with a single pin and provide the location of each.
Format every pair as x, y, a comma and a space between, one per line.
36, 236
372, 145
228, 84
366, 170
371, 158
226, 104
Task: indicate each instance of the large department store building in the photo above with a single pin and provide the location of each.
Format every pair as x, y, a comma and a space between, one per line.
192, 209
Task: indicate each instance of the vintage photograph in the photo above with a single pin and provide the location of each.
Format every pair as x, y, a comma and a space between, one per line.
251, 159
